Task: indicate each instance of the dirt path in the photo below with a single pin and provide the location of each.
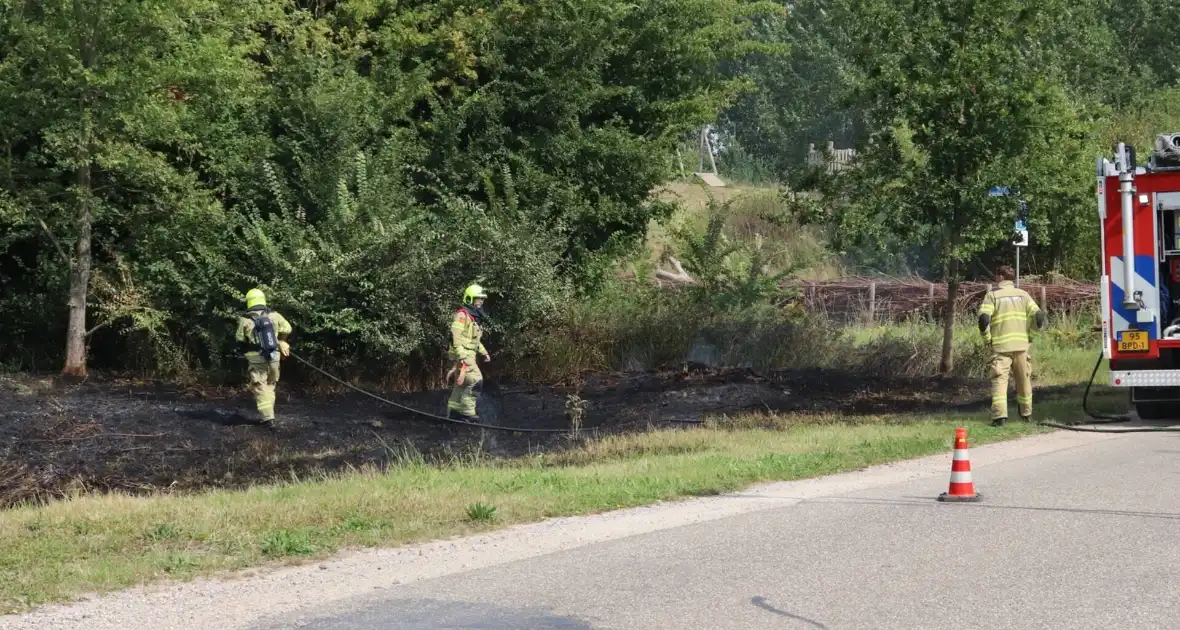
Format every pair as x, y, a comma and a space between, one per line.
130, 437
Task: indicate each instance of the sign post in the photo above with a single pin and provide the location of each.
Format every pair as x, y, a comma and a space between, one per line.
1020, 236
1020, 241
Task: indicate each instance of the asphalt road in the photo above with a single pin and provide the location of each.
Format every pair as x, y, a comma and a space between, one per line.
1083, 537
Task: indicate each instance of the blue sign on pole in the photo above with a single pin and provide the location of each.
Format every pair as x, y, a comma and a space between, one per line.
997, 191
1020, 225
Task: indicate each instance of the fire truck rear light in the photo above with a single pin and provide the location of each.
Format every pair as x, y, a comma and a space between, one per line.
1145, 378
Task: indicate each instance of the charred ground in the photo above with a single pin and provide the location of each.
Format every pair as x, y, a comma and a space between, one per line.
103, 435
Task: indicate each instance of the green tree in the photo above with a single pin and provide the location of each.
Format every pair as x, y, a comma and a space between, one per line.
509, 131
1142, 53
583, 100
803, 89
960, 95
98, 126
361, 160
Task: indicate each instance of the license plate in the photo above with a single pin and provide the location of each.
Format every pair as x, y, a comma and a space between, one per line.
1133, 341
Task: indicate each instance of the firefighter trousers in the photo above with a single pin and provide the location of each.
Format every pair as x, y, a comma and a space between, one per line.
263, 378
463, 394
1020, 366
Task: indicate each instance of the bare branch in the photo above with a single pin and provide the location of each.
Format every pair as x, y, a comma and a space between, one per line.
680, 276
57, 244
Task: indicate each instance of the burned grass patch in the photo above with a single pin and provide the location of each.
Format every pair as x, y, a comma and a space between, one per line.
59, 440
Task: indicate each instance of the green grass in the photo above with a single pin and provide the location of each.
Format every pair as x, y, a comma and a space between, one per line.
99, 543
1064, 353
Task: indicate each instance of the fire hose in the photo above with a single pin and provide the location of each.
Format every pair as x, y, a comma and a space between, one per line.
1100, 418
432, 416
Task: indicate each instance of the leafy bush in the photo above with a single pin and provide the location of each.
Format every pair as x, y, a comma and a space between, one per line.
374, 281
738, 312
362, 162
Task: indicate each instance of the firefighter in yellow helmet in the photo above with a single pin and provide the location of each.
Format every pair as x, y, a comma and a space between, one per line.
1005, 317
466, 343
262, 336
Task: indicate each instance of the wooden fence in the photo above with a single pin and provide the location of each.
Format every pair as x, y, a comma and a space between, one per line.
885, 300
833, 159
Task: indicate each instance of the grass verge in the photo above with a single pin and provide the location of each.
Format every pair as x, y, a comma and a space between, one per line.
1062, 355
101, 543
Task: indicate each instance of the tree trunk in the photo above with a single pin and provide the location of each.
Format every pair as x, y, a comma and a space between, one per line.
948, 325
79, 282
80, 265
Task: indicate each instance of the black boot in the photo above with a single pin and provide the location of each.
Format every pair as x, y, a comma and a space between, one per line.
999, 422
455, 415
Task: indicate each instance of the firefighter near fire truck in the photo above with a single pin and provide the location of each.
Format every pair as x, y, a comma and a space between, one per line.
1005, 317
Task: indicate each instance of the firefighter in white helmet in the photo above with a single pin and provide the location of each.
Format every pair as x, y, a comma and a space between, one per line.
466, 344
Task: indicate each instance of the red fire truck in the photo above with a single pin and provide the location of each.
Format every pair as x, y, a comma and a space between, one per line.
1139, 209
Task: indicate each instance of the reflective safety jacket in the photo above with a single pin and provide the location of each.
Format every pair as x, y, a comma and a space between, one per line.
465, 337
1011, 312
248, 341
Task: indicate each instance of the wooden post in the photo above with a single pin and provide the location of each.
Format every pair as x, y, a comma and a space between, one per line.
933, 306
1044, 301
701, 152
872, 301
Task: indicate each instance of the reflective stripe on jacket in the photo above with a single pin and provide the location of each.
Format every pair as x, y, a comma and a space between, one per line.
1011, 311
465, 337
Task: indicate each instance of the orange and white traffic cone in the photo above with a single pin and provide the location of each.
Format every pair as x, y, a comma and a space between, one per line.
962, 489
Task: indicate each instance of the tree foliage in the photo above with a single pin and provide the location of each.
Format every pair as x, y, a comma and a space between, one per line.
361, 160
959, 96
1113, 64
804, 90
97, 134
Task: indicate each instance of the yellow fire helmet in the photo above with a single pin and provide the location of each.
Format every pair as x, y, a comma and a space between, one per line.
472, 293
254, 297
